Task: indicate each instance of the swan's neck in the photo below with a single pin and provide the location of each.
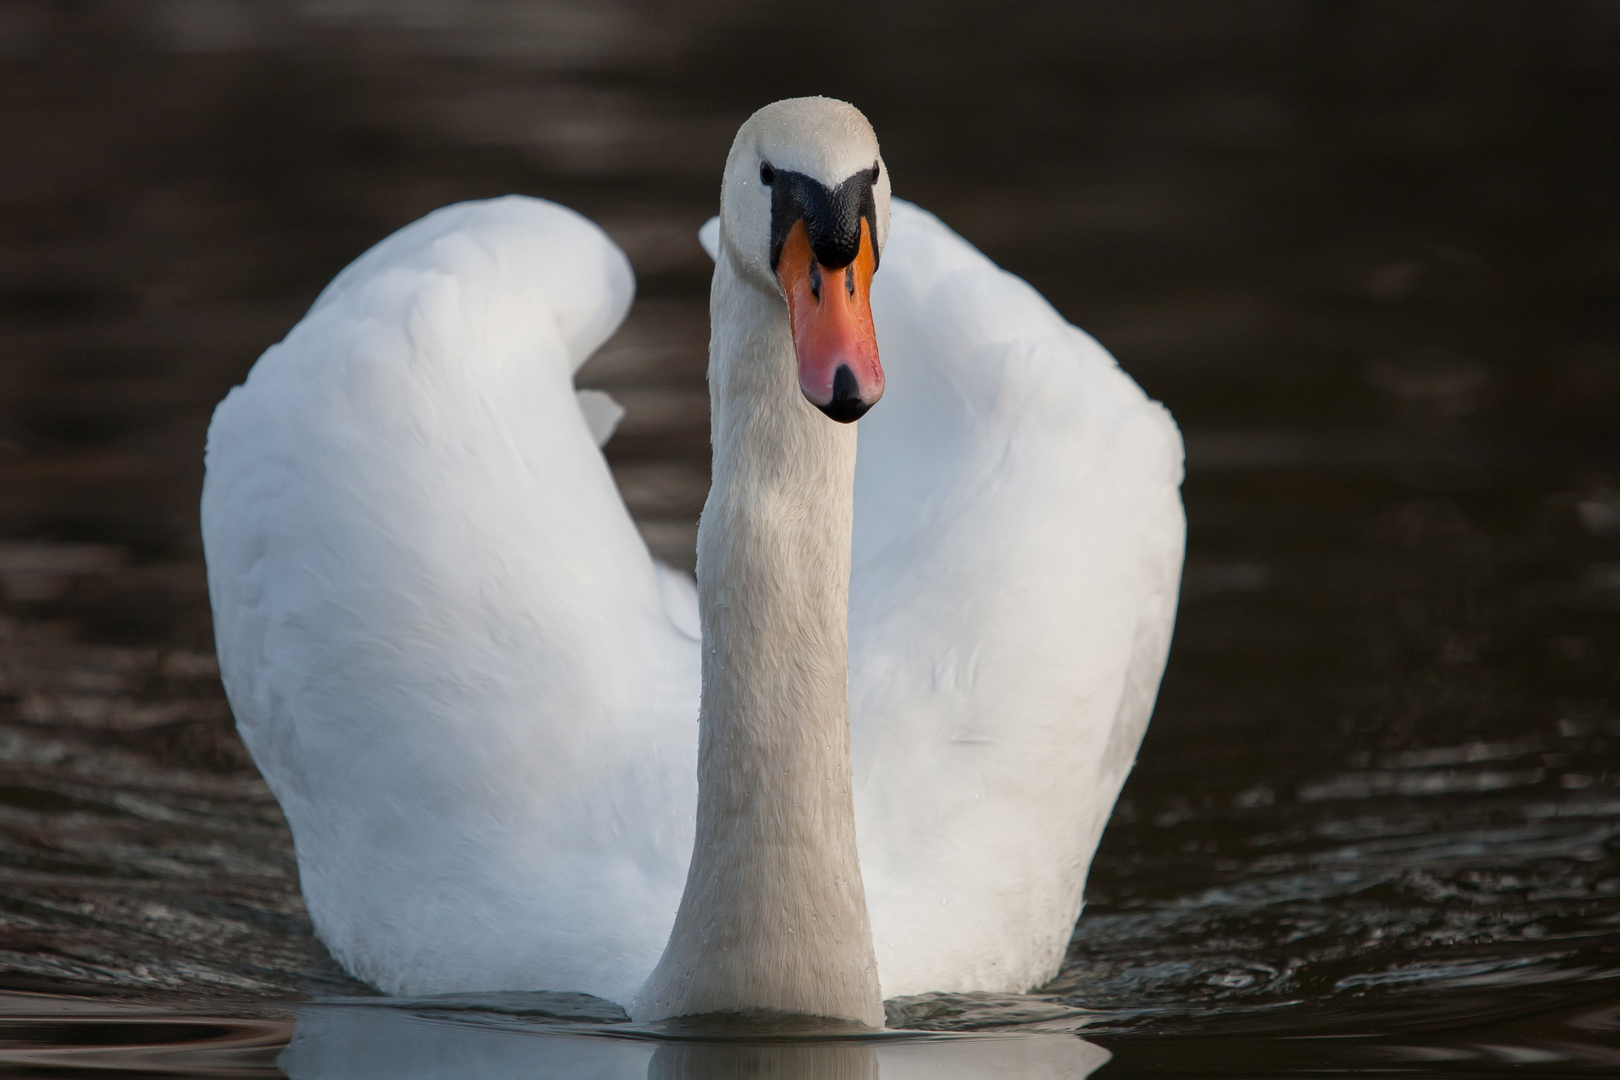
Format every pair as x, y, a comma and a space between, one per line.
774, 913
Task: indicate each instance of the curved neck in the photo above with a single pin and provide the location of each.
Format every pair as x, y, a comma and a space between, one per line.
774, 914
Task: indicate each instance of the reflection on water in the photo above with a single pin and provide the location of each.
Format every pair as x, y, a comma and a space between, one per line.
1364, 252
549, 1036
47, 1035
357, 1042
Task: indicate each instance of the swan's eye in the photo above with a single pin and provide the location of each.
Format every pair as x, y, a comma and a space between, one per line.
767, 175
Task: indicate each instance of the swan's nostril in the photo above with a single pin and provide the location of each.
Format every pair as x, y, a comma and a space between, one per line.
846, 405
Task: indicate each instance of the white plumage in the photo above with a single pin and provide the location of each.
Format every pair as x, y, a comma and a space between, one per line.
475, 694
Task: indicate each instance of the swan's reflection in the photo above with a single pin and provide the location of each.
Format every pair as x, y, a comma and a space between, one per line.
354, 1042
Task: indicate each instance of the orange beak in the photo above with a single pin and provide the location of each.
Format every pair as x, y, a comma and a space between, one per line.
831, 314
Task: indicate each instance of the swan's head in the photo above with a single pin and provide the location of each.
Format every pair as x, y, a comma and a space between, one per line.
804, 211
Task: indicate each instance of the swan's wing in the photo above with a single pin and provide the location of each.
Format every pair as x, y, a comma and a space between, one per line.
1018, 544
470, 687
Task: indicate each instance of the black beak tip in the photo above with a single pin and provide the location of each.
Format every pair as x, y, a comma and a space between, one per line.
846, 405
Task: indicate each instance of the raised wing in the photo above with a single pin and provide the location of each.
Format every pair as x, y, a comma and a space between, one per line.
1018, 547
443, 639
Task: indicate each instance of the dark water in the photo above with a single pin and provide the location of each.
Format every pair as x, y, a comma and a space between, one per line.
1368, 253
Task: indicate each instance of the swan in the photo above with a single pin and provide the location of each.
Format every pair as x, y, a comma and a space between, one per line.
869, 755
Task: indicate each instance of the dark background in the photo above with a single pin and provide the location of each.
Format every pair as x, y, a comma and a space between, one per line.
1368, 253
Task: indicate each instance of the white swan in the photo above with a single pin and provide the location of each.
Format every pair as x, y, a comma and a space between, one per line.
476, 696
